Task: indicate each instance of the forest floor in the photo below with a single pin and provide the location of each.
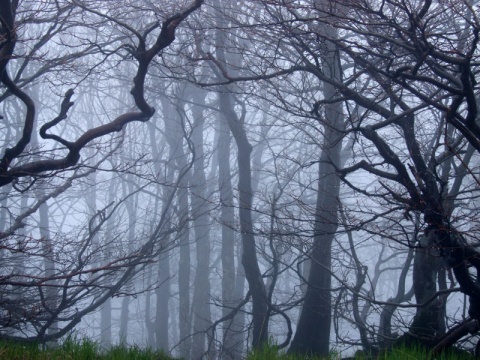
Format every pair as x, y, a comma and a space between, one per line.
271, 353
76, 350
89, 350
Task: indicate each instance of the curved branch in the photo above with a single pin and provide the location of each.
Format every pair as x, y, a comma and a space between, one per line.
8, 175
66, 105
14, 152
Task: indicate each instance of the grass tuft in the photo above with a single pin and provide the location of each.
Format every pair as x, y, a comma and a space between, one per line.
270, 352
73, 349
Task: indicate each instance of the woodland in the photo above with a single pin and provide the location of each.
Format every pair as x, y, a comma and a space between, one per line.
206, 177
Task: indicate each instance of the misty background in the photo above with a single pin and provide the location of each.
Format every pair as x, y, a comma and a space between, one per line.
206, 177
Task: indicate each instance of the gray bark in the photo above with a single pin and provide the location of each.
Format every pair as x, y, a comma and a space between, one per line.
201, 223
177, 160
162, 292
313, 330
149, 324
132, 216
106, 308
231, 348
51, 292
245, 199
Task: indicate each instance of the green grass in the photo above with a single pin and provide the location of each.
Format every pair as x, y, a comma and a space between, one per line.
404, 353
76, 350
271, 353
73, 349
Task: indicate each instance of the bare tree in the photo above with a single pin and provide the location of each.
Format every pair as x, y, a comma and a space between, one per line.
11, 168
81, 279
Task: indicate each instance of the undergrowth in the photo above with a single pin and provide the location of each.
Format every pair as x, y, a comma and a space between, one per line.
401, 353
76, 350
73, 349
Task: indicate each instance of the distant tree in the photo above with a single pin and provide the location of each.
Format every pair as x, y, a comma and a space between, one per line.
14, 165
63, 43
407, 75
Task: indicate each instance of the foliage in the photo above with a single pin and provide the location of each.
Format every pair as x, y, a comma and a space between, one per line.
76, 350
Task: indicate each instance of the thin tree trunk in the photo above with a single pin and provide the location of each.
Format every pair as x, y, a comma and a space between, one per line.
249, 256
201, 222
132, 219
245, 199
230, 347
313, 330
51, 292
162, 292
106, 308
149, 324
177, 160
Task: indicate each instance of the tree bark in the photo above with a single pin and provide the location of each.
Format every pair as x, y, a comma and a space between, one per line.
245, 199
201, 223
313, 330
177, 162
231, 349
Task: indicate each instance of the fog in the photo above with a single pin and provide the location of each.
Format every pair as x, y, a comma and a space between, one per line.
208, 177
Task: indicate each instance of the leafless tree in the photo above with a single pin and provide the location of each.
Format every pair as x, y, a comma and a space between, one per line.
81, 279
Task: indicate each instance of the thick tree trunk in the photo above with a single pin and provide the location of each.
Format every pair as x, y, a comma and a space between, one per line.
124, 319
425, 267
149, 324
176, 163
313, 329
185, 318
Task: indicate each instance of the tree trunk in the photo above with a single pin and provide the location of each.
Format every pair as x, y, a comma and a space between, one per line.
425, 267
177, 162
124, 319
131, 205
313, 329
201, 223
230, 348
162, 293
249, 256
106, 308
245, 198
51, 292
149, 324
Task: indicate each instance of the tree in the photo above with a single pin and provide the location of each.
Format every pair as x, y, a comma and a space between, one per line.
400, 67
421, 73
78, 276
250, 264
11, 169
316, 312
